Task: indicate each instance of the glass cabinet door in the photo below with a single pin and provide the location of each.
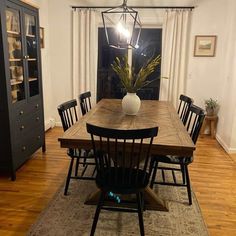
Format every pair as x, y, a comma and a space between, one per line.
15, 50
31, 54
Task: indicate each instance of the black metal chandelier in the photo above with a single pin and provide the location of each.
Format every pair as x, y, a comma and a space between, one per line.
122, 26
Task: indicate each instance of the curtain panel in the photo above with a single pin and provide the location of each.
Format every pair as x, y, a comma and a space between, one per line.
85, 52
175, 43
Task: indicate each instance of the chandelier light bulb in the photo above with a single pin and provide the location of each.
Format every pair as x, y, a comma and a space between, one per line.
122, 30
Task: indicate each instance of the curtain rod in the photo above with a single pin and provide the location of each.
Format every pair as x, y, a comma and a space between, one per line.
138, 7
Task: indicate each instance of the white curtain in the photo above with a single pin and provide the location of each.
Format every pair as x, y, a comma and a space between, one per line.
175, 38
85, 52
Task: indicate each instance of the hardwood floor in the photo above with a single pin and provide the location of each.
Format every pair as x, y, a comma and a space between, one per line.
213, 175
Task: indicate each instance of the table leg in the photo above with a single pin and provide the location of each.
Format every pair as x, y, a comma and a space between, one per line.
152, 201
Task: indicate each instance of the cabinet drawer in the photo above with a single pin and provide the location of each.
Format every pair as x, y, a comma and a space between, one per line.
27, 125
24, 148
27, 109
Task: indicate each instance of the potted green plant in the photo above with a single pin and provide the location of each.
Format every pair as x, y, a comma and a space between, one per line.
132, 81
212, 107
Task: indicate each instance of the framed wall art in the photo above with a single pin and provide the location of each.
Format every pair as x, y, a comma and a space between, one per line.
205, 45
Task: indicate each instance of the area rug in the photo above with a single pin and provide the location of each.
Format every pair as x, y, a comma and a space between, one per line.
67, 215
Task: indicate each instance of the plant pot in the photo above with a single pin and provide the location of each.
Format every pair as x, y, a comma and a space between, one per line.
131, 104
210, 111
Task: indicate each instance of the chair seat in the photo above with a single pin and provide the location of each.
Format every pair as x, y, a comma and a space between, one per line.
173, 159
113, 180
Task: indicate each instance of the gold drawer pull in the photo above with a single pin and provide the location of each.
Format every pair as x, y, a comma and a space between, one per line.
39, 137
37, 106
23, 148
22, 127
37, 118
21, 112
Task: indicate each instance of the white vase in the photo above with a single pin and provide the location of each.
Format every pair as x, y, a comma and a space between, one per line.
131, 104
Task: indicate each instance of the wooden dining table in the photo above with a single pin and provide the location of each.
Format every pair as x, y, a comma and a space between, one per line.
172, 138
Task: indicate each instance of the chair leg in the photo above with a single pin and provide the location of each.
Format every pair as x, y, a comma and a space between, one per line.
69, 175
95, 168
154, 174
77, 163
76, 166
85, 157
140, 213
95, 220
188, 186
183, 172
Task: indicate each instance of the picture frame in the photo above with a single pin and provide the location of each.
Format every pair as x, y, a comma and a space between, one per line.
205, 45
41, 36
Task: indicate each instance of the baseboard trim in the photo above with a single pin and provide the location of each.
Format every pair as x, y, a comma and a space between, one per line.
229, 150
232, 150
58, 124
50, 123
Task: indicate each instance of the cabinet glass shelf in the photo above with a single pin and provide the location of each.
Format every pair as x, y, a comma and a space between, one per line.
14, 59
13, 33
30, 35
15, 82
32, 79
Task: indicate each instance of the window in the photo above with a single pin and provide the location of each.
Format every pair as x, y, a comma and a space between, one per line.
108, 83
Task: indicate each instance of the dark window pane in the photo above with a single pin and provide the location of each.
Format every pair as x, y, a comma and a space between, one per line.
108, 83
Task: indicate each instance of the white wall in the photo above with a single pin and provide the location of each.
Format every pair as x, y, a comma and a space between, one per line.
60, 33
207, 77
46, 68
216, 76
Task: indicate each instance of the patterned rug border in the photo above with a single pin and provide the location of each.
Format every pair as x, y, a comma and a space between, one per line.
60, 191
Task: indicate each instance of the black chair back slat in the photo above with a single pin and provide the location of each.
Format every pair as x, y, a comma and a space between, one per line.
183, 109
108, 150
123, 161
116, 153
147, 164
127, 159
194, 122
68, 113
131, 156
85, 102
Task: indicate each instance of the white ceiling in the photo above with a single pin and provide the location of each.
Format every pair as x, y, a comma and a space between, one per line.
137, 2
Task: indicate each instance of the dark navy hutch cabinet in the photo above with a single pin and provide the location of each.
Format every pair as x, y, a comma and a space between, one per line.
21, 98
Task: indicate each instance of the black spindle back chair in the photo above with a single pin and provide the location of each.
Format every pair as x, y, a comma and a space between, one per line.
85, 102
123, 164
68, 115
193, 124
184, 105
